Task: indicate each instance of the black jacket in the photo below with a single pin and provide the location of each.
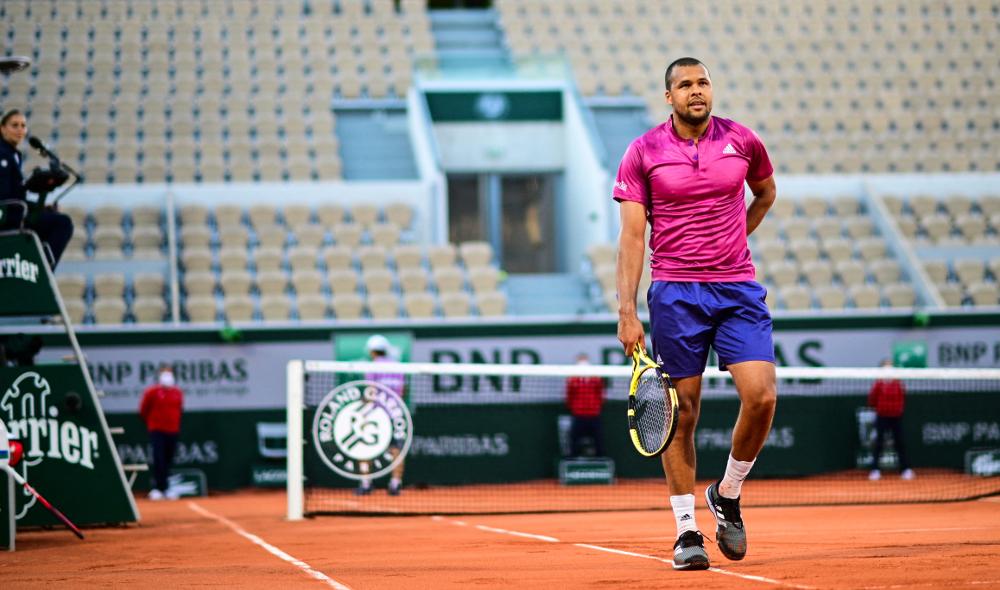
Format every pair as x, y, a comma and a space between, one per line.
11, 179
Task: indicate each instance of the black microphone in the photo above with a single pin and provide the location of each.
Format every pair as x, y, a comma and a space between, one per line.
43, 149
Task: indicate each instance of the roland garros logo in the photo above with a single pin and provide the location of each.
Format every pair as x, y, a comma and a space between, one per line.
357, 427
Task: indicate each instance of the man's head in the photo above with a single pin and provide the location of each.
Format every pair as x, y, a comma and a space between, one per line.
165, 376
377, 345
886, 363
582, 359
689, 90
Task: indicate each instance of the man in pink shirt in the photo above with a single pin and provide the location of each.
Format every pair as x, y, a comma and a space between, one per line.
686, 178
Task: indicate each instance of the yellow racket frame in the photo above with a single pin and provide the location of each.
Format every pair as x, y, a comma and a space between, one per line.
640, 364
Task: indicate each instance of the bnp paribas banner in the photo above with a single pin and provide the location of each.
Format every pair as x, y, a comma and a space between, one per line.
213, 377
252, 376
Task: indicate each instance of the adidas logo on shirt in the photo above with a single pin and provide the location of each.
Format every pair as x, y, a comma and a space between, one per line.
729, 149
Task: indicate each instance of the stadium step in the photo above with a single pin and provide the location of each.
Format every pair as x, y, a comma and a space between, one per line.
468, 39
375, 144
546, 294
617, 126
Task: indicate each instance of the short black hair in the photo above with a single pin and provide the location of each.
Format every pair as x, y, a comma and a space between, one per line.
680, 63
6, 116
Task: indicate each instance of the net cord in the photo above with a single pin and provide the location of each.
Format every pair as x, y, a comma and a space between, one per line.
624, 371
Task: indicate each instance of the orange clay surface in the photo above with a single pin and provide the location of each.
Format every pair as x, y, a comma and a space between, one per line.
180, 545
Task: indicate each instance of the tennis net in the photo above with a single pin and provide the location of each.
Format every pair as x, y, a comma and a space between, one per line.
477, 438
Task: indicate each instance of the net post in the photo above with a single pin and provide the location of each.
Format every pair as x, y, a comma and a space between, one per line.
295, 391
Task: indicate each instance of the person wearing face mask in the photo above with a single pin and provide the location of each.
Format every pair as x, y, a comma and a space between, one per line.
54, 229
585, 399
161, 408
886, 398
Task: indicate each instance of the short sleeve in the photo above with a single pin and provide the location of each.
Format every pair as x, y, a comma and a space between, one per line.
760, 163
630, 184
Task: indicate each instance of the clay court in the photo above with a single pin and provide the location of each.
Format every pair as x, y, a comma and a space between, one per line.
242, 540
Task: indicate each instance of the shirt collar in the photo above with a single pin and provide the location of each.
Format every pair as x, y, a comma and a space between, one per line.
676, 136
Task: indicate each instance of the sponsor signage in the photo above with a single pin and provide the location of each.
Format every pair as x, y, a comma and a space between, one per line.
25, 288
983, 462
495, 106
51, 412
586, 472
362, 429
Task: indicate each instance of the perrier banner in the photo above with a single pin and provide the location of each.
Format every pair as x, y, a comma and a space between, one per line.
25, 284
68, 454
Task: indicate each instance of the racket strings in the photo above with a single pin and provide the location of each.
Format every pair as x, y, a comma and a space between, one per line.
652, 412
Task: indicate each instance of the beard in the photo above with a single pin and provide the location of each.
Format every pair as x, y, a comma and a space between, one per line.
694, 120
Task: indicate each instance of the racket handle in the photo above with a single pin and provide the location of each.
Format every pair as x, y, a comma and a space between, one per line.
62, 517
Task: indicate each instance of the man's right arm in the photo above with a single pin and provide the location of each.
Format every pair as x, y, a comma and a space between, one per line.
631, 250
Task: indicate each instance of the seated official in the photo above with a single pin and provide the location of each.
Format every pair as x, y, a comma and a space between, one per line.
53, 228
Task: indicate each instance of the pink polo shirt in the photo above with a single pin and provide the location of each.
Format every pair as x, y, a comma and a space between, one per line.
694, 198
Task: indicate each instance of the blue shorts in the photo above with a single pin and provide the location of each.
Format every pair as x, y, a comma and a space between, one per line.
686, 318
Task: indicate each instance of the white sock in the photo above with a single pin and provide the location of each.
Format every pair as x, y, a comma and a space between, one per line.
732, 481
684, 513
366, 482
395, 481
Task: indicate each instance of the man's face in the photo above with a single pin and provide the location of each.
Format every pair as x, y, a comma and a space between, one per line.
690, 94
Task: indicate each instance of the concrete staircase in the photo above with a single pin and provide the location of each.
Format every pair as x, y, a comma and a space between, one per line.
375, 144
617, 126
468, 39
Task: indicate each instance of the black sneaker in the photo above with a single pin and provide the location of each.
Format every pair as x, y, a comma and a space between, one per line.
729, 532
362, 490
689, 552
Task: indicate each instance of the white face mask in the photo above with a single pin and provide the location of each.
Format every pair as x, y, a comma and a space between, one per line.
167, 379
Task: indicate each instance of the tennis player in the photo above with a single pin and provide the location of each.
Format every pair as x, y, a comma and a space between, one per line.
381, 351
686, 177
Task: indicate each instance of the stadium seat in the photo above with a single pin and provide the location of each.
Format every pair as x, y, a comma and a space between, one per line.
372, 257
483, 278
864, 296
312, 307
343, 281
971, 226
309, 236
377, 280
442, 256
228, 215
951, 293
109, 285
969, 270
196, 259
384, 234
302, 258
233, 259
419, 305
267, 259
408, 256
271, 283
338, 257
347, 234
199, 283
399, 214
262, 215
900, 295
146, 237
475, 254
937, 270
830, 297
347, 306
238, 308
796, 297
937, 226
275, 308
307, 282
412, 280
148, 284
109, 310
383, 306
365, 214
783, 273
804, 249
796, 228
271, 236
885, 270
195, 236
149, 310
827, 228
233, 236
491, 303
455, 304
871, 248
299, 215
818, 273
984, 293
71, 286
448, 279
330, 214
235, 282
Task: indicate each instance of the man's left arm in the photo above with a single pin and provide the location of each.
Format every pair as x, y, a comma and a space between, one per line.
764, 192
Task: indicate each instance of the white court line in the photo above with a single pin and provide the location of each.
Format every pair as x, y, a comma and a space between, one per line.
932, 584
268, 547
548, 539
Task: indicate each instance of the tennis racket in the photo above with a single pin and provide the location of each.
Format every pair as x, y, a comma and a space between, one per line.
5, 466
652, 406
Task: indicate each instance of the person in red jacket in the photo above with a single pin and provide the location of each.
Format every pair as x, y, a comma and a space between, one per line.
886, 398
585, 398
161, 408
